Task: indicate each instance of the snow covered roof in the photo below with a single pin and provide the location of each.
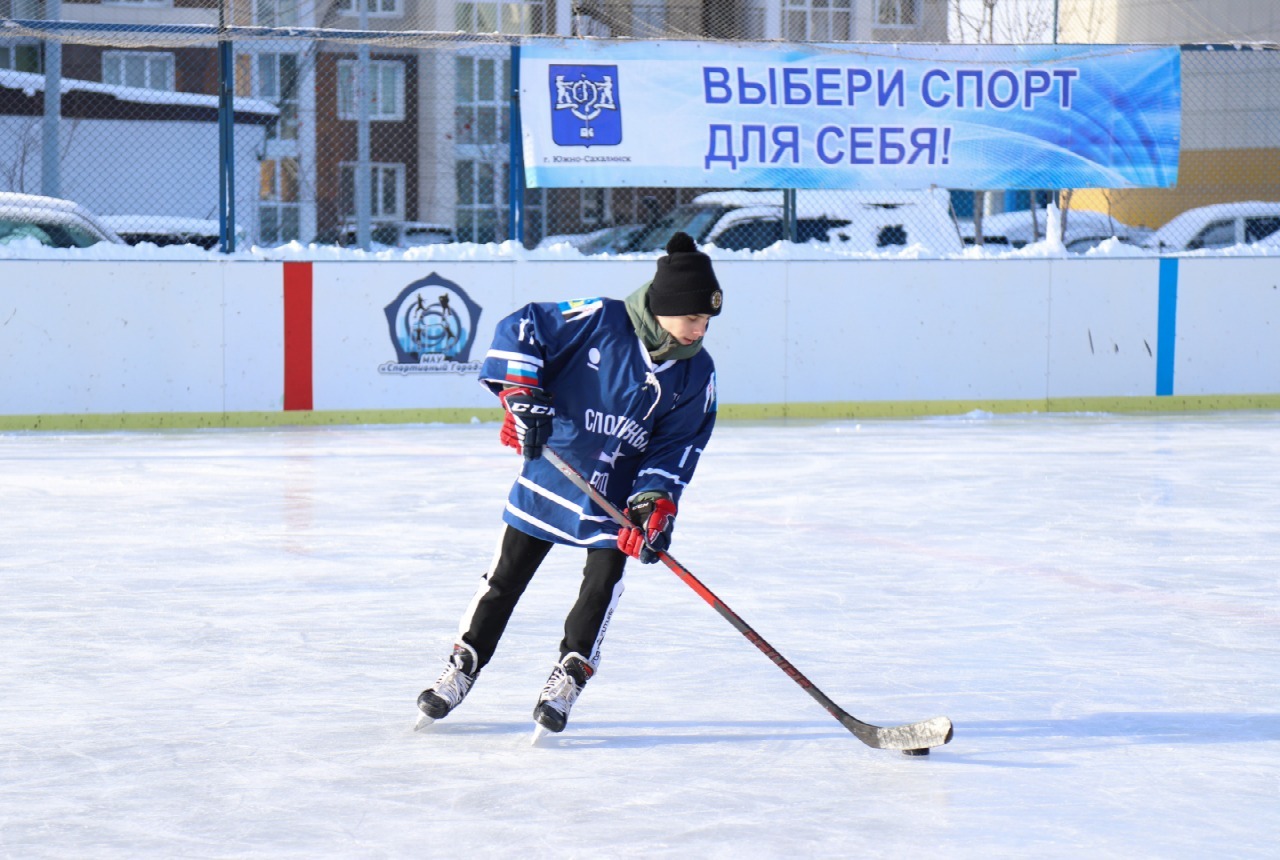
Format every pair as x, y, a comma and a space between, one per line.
30, 83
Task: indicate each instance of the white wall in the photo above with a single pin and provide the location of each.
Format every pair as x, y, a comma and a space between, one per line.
1102, 329
86, 338
1228, 327
99, 338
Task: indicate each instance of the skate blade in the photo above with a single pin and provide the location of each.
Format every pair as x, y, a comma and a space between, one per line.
423, 722
539, 732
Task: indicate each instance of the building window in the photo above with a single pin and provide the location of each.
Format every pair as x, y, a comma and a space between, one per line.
534, 217
386, 192
481, 213
376, 8
387, 82
492, 16
753, 23
897, 13
150, 71
21, 58
593, 208
275, 13
817, 20
278, 211
29, 9
278, 83
649, 21
481, 85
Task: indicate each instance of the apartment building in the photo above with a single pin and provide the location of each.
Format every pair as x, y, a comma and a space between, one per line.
1230, 98
438, 121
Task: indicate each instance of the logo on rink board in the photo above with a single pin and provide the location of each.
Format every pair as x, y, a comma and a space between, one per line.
432, 324
585, 106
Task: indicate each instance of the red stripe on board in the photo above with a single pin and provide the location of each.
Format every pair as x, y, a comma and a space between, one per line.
297, 336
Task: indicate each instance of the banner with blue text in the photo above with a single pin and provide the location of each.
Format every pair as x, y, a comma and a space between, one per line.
693, 114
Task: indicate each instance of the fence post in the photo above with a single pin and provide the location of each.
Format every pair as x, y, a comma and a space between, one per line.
515, 173
226, 144
50, 166
363, 185
789, 214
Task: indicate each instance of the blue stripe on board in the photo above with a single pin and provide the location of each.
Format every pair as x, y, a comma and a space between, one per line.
1167, 326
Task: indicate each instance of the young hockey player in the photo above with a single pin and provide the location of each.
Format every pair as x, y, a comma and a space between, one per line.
624, 391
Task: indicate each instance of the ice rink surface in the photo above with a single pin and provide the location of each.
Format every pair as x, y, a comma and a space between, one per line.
213, 640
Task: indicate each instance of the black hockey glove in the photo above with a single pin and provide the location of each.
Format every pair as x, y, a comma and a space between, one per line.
654, 516
527, 423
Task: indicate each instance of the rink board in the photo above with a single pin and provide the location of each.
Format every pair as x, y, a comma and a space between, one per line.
117, 344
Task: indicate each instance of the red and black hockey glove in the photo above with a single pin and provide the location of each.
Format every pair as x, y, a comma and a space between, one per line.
527, 423
654, 517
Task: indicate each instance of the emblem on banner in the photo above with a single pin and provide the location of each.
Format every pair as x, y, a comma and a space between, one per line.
584, 106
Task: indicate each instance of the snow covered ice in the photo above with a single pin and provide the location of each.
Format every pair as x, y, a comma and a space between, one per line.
213, 642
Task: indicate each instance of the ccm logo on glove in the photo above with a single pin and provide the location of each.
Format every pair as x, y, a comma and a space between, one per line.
653, 520
528, 421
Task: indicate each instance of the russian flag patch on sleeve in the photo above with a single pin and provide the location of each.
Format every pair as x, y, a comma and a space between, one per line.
522, 373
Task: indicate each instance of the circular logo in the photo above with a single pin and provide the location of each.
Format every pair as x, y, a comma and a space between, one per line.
432, 317
717, 299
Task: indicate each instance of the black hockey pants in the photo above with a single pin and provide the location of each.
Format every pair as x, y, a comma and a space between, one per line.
512, 569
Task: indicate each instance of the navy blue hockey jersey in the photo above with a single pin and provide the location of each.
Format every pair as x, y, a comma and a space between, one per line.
630, 424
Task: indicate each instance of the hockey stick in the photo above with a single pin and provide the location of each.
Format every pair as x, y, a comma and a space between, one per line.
912, 738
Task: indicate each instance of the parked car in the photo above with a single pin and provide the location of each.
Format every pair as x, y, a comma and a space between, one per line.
1219, 225
898, 219
607, 240
394, 234
1270, 244
576, 240
611, 241
164, 230
1085, 229
850, 220
51, 221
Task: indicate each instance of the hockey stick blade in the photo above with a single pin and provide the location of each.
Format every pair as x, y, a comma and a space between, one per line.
923, 735
912, 736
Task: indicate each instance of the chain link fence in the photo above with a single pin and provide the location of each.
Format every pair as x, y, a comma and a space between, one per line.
388, 123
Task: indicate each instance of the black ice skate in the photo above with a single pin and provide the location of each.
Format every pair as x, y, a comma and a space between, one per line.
561, 690
448, 692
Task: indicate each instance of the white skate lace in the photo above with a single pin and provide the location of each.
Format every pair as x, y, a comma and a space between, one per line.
561, 691
453, 684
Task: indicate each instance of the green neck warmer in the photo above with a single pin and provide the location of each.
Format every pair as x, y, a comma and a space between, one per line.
661, 345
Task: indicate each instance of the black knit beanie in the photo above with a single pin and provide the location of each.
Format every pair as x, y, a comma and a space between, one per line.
684, 283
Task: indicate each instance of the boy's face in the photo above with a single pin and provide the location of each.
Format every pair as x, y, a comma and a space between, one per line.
686, 329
